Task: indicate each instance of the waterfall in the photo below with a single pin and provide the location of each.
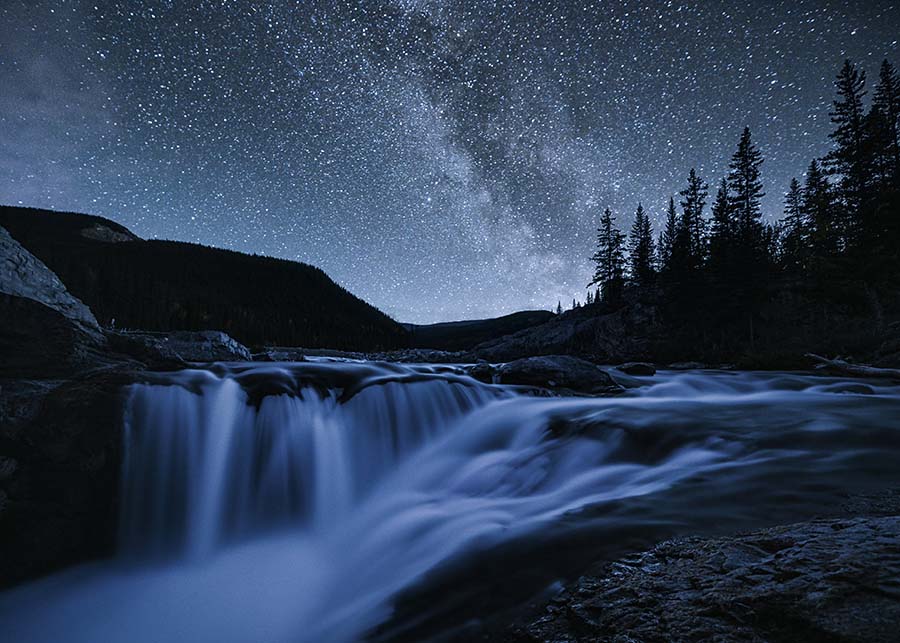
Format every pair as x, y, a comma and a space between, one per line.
203, 466
294, 503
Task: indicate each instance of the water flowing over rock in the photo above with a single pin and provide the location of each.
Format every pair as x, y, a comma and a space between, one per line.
306, 502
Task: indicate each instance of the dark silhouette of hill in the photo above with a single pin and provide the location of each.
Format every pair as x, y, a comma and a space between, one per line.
464, 335
169, 285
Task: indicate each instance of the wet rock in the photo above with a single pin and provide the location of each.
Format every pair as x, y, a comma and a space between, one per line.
483, 372
558, 372
687, 366
59, 472
825, 580
637, 368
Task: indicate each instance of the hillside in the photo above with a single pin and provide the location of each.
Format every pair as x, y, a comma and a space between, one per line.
168, 285
463, 335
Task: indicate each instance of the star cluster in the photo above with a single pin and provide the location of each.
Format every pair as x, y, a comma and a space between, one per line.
442, 160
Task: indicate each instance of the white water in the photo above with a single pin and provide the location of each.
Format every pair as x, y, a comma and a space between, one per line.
294, 502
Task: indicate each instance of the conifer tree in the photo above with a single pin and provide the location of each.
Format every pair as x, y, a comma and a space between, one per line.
796, 237
667, 238
609, 258
746, 191
641, 249
887, 104
847, 159
818, 208
722, 230
689, 248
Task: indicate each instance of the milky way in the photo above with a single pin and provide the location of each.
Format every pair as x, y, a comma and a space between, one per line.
442, 160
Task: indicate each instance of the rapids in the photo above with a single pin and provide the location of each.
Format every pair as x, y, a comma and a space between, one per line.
297, 502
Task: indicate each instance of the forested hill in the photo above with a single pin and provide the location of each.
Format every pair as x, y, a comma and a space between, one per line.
170, 285
464, 335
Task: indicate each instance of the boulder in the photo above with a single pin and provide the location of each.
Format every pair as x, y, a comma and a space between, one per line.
637, 368
181, 346
24, 275
687, 366
558, 372
483, 372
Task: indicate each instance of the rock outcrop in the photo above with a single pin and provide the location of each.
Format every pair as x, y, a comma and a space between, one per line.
44, 330
24, 275
558, 372
825, 580
181, 346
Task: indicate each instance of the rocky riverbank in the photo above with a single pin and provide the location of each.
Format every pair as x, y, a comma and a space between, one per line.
829, 580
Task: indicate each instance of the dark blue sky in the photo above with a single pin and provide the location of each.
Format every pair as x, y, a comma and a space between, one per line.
442, 160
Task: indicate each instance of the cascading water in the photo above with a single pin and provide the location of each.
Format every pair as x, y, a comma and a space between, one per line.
296, 502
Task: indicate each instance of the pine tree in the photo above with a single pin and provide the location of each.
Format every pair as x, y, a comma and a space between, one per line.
721, 236
746, 191
691, 235
609, 258
847, 159
887, 104
559, 309
818, 207
666, 242
641, 249
796, 237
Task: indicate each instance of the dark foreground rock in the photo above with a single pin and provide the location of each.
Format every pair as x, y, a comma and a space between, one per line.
182, 346
558, 372
832, 580
637, 368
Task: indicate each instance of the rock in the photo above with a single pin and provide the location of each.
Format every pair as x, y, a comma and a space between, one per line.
637, 368
24, 275
62, 487
483, 372
824, 580
37, 341
181, 346
100, 232
8, 467
687, 366
558, 372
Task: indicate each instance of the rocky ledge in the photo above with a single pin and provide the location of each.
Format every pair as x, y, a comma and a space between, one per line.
826, 580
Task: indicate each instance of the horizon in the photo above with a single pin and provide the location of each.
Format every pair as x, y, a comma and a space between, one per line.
439, 179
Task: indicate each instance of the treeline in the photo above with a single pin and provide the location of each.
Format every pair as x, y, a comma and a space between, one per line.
726, 278
168, 285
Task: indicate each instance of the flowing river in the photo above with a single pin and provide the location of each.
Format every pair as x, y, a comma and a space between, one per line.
314, 501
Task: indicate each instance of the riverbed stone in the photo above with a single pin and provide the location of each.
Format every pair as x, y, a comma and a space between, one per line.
558, 372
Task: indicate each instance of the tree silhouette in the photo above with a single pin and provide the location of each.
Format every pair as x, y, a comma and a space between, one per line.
609, 259
642, 249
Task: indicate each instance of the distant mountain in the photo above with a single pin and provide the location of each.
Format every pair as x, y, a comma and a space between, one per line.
464, 335
170, 285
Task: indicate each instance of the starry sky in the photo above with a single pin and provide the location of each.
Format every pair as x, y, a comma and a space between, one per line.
440, 159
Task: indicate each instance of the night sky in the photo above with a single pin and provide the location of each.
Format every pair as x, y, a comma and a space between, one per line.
442, 160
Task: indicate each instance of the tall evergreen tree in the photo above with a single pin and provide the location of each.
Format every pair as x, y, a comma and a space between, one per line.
689, 251
721, 234
746, 191
666, 242
818, 207
847, 159
796, 238
641, 249
887, 103
609, 259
